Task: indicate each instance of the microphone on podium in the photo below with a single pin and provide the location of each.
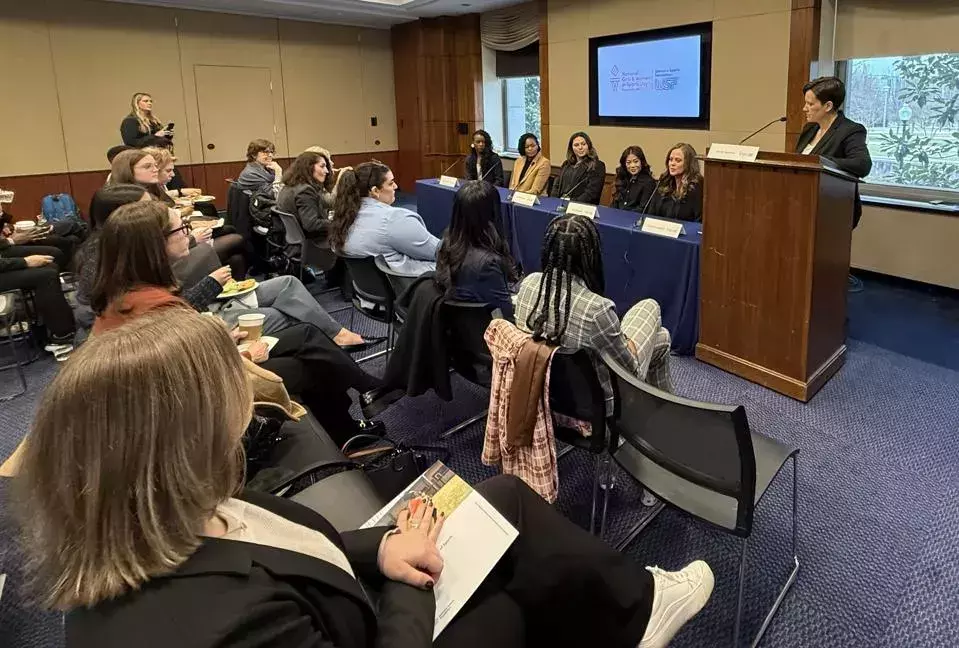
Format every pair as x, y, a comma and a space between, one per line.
751, 135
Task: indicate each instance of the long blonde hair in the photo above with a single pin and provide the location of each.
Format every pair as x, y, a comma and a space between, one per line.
146, 121
691, 174
135, 443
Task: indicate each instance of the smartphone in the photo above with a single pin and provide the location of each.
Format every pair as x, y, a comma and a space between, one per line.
170, 126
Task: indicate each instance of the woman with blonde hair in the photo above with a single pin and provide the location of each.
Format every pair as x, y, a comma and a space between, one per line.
680, 192
135, 524
141, 127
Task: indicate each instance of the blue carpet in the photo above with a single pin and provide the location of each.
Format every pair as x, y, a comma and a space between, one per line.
878, 492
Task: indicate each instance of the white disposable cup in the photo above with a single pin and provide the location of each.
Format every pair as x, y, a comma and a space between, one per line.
252, 325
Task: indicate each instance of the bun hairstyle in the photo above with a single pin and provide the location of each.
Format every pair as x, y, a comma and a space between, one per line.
355, 185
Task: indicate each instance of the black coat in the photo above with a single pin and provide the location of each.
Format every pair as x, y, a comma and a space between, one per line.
231, 594
581, 182
636, 194
311, 205
420, 360
132, 135
491, 165
845, 145
689, 208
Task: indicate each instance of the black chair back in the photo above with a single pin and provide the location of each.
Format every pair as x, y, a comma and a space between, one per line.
398, 281
707, 444
370, 285
466, 324
238, 211
575, 391
313, 253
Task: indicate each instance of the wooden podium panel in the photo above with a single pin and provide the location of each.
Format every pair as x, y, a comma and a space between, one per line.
775, 261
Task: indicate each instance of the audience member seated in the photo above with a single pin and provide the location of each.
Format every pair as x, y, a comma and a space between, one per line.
365, 224
171, 184
482, 163
473, 263
261, 170
308, 193
141, 128
564, 305
635, 183
125, 546
530, 172
310, 363
59, 240
25, 268
680, 192
583, 174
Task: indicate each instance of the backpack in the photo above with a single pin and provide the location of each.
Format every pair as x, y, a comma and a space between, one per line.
261, 202
59, 207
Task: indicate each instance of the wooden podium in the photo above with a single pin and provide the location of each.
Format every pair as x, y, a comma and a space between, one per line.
775, 262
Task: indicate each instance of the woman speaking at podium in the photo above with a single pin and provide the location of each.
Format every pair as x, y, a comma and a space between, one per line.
831, 134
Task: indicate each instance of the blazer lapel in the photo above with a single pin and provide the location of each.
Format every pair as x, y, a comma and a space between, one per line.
829, 135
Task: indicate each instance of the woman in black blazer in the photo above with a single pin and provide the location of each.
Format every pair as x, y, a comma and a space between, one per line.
583, 174
482, 162
831, 134
679, 194
141, 127
136, 530
635, 183
308, 193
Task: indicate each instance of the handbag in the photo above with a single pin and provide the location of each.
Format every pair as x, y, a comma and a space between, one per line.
391, 466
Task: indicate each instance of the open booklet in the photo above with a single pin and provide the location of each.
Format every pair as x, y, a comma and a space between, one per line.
473, 539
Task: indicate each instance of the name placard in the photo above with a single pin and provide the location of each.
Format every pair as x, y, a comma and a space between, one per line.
733, 152
449, 181
525, 199
581, 209
662, 227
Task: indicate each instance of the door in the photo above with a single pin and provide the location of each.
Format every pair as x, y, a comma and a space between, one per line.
236, 106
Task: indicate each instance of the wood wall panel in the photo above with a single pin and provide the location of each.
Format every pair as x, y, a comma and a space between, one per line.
804, 24
30, 190
544, 75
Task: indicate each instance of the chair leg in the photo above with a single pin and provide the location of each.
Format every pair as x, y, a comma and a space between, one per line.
12, 343
465, 424
795, 571
596, 477
739, 597
608, 481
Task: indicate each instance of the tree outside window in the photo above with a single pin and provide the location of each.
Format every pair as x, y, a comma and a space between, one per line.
520, 109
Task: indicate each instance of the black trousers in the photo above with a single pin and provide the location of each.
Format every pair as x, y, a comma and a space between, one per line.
557, 586
45, 247
51, 305
317, 370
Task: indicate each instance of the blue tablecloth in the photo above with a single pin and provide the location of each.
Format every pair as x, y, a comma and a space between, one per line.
637, 265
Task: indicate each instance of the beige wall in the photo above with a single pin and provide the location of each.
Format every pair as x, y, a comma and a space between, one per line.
750, 61
71, 66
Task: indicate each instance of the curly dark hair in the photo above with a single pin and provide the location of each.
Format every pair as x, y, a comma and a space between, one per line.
301, 171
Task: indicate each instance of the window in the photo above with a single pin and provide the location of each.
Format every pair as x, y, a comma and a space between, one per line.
520, 110
910, 107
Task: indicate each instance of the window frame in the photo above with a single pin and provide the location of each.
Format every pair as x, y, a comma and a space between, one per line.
507, 148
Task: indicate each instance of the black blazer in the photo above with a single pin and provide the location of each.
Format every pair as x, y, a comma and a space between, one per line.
491, 163
132, 135
689, 208
311, 206
231, 594
482, 280
845, 145
583, 182
636, 194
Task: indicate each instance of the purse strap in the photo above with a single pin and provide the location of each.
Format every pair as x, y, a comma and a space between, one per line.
366, 437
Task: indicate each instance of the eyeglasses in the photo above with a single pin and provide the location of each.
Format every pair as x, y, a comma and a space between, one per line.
183, 228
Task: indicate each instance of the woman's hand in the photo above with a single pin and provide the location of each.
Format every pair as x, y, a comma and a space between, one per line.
222, 275
259, 352
27, 236
237, 334
632, 347
202, 234
163, 133
38, 260
411, 556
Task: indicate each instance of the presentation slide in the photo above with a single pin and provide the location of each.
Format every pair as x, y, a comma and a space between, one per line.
657, 78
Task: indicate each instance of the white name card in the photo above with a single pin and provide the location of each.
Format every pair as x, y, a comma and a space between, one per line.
662, 227
733, 152
449, 181
525, 199
581, 209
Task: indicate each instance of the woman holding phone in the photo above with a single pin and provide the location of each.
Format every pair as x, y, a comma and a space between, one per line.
141, 127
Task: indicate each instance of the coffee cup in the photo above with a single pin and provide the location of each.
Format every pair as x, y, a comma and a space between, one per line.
252, 325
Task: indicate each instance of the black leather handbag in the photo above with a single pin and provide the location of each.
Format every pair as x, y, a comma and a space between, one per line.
392, 466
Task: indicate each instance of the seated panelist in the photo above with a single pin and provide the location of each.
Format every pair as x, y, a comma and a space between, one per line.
583, 174
530, 172
831, 134
679, 194
482, 163
635, 183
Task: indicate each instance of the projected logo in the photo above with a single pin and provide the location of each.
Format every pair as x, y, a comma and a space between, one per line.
614, 78
666, 80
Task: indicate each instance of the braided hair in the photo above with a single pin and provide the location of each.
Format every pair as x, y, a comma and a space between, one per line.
571, 248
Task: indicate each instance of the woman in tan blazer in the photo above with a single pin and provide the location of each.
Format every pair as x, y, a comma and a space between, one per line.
531, 172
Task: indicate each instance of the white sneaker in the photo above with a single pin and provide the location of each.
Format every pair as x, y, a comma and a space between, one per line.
60, 351
677, 597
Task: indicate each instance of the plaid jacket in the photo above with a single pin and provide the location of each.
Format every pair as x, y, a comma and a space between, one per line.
593, 325
534, 464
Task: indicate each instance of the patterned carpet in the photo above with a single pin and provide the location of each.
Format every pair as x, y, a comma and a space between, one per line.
878, 498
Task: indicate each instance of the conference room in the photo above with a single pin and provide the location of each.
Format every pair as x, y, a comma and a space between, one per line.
659, 293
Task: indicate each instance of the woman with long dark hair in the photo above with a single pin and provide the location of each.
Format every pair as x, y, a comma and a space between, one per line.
307, 193
583, 174
135, 523
531, 171
680, 192
365, 223
564, 305
473, 263
635, 183
136, 245
482, 163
